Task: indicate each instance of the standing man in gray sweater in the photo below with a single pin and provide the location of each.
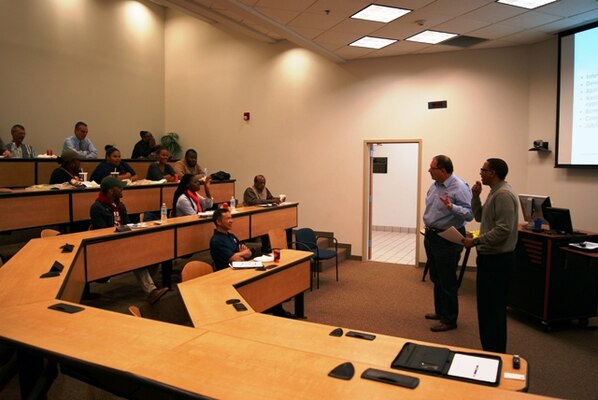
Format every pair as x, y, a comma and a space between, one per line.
496, 252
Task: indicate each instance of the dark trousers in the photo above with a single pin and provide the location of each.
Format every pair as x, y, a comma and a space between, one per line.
492, 284
443, 258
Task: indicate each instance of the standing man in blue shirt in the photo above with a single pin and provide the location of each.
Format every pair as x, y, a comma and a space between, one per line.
79, 142
448, 203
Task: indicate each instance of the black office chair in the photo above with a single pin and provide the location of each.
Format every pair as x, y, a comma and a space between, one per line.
308, 239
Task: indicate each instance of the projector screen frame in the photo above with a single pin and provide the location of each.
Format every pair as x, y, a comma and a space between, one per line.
557, 159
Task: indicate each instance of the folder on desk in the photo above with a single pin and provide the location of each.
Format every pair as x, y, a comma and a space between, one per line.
441, 361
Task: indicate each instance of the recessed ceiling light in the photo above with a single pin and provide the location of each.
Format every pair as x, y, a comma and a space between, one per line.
529, 4
431, 37
377, 13
372, 42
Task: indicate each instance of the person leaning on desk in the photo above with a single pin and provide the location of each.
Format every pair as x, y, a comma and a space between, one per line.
161, 169
17, 148
79, 142
146, 147
69, 169
187, 200
258, 193
108, 211
113, 163
3, 151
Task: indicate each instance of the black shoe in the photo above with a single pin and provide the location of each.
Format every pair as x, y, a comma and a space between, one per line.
442, 327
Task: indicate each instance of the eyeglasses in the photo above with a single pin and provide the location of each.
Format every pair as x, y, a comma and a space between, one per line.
484, 170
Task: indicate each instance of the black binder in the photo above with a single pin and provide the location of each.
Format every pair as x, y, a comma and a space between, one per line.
478, 368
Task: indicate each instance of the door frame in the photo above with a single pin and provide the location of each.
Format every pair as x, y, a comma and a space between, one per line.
367, 193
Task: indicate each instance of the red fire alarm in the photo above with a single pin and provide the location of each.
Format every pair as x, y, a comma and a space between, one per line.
246, 116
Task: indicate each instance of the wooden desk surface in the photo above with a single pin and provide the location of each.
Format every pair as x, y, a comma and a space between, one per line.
240, 355
205, 297
21, 209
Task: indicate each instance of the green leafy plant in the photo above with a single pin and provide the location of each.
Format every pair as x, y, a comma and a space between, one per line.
170, 140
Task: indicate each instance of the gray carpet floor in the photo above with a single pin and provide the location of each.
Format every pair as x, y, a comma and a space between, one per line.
387, 299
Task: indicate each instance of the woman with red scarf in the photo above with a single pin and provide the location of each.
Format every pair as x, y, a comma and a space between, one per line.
187, 200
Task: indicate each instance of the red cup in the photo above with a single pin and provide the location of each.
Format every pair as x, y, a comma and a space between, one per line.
49, 152
276, 255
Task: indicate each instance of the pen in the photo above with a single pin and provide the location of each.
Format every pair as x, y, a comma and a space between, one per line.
476, 370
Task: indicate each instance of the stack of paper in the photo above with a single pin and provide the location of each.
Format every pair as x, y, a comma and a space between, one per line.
245, 264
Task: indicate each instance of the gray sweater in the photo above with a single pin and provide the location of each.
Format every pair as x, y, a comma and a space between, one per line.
498, 217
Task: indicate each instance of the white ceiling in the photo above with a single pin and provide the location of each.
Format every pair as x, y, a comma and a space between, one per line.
324, 26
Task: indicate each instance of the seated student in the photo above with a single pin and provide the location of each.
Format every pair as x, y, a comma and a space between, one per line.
146, 147
187, 200
79, 142
113, 163
17, 148
68, 170
225, 248
161, 169
3, 151
108, 211
258, 193
188, 165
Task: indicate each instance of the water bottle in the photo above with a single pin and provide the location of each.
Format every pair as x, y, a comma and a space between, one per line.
232, 203
163, 213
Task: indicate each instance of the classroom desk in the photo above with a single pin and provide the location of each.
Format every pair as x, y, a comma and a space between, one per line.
23, 209
227, 354
24, 172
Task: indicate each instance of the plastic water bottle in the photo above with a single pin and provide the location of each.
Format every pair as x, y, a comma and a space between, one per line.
163, 213
232, 203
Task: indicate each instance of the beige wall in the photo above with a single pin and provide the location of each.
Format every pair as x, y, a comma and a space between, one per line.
100, 61
309, 117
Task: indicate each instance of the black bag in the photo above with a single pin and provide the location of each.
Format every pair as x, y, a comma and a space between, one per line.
220, 176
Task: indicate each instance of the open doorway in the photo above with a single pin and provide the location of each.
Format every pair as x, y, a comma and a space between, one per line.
392, 206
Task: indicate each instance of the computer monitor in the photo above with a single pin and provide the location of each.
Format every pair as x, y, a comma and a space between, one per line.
533, 206
559, 220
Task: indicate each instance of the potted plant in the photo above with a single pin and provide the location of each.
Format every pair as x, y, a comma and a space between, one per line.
170, 140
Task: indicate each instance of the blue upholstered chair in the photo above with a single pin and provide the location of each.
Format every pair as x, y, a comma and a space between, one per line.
307, 238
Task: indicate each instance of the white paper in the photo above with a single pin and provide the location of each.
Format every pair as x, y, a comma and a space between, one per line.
585, 245
246, 264
264, 258
452, 235
474, 367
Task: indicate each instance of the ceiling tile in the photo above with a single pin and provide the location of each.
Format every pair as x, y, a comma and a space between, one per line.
495, 12
315, 21
530, 19
281, 16
289, 5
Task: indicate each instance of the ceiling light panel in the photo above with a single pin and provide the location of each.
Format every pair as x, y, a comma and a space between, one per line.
371, 42
377, 13
529, 4
431, 37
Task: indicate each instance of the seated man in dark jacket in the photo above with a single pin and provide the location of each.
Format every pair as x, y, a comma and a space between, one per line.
108, 211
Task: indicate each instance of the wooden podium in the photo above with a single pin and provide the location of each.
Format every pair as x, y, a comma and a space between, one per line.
551, 281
